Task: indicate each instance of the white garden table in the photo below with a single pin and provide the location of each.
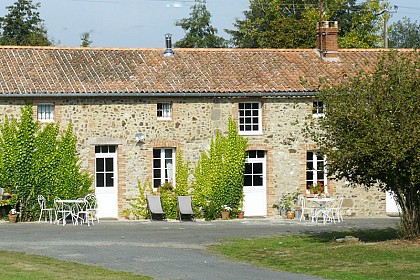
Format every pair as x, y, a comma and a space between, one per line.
67, 207
322, 207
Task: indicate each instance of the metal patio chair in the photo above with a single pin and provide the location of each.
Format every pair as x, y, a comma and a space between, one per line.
48, 212
305, 208
91, 207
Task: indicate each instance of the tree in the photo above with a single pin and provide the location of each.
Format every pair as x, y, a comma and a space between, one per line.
86, 41
291, 24
274, 24
199, 32
360, 25
370, 133
22, 26
404, 34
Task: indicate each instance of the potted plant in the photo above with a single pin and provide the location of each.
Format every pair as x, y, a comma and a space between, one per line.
317, 188
240, 213
13, 215
226, 211
281, 206
288, 203
11, 202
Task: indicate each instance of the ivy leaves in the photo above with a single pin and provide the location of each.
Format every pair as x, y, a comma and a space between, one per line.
39, 160
219, 173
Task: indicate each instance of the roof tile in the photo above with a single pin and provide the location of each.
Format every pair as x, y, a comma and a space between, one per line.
104, 70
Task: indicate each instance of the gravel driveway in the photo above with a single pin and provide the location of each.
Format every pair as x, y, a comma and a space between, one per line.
164, 250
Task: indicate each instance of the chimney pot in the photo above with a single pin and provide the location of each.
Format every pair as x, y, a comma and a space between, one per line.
168, 41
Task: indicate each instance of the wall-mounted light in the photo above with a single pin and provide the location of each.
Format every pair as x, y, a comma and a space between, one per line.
139, 137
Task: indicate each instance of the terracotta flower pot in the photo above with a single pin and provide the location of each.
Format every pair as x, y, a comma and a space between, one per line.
225, 215
240, 215
290, 215
12, 218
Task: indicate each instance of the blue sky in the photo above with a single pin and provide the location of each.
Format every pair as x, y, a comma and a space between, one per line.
143, 23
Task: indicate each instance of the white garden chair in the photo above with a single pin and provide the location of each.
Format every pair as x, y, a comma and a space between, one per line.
92, 207
48, 212
305, 208
82, 211
334, 210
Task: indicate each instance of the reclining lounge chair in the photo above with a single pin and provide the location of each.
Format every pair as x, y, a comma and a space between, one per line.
154, 206
185, 207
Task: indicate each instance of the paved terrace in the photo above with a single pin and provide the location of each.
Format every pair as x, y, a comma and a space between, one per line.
165, 250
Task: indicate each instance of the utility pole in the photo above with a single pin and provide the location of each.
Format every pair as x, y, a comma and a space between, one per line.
386, 13
320, 11
385, 31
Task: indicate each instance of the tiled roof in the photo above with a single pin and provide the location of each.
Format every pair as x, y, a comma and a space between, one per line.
47, 70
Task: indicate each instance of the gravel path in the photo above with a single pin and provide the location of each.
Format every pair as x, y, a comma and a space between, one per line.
164, 250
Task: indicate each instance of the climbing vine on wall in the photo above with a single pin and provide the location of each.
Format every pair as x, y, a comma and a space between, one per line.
35, 160
219, 173
217, 179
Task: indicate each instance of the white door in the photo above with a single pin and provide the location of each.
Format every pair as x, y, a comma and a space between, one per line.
106, 188
255, 194
392, 208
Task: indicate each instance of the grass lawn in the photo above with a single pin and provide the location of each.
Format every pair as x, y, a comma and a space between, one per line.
23, 266
379, 255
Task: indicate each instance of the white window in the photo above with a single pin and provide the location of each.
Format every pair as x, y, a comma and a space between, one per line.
164, 111
46, 112
250, 118
163, 166
316, 170
318, 109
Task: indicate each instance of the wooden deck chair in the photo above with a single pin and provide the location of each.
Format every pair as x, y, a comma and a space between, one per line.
154, 206
185, 207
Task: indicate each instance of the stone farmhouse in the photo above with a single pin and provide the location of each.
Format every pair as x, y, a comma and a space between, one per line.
133, 109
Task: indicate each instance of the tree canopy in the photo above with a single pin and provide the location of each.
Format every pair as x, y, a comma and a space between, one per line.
85, 38
292, 23
370, 133
22, 26
404, 34
199, 32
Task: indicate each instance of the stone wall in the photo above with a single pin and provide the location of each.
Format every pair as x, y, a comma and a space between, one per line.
116, 120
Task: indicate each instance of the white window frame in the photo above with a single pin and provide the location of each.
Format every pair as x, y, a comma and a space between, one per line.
45, 112
165, 110
167, 173
314, 159
248, 113
318, 109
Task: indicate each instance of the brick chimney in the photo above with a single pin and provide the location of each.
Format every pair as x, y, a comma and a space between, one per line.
327, 40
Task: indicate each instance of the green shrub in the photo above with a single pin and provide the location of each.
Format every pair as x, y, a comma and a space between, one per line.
169, 193
218, 180
36, 161
219, 173
138, 205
